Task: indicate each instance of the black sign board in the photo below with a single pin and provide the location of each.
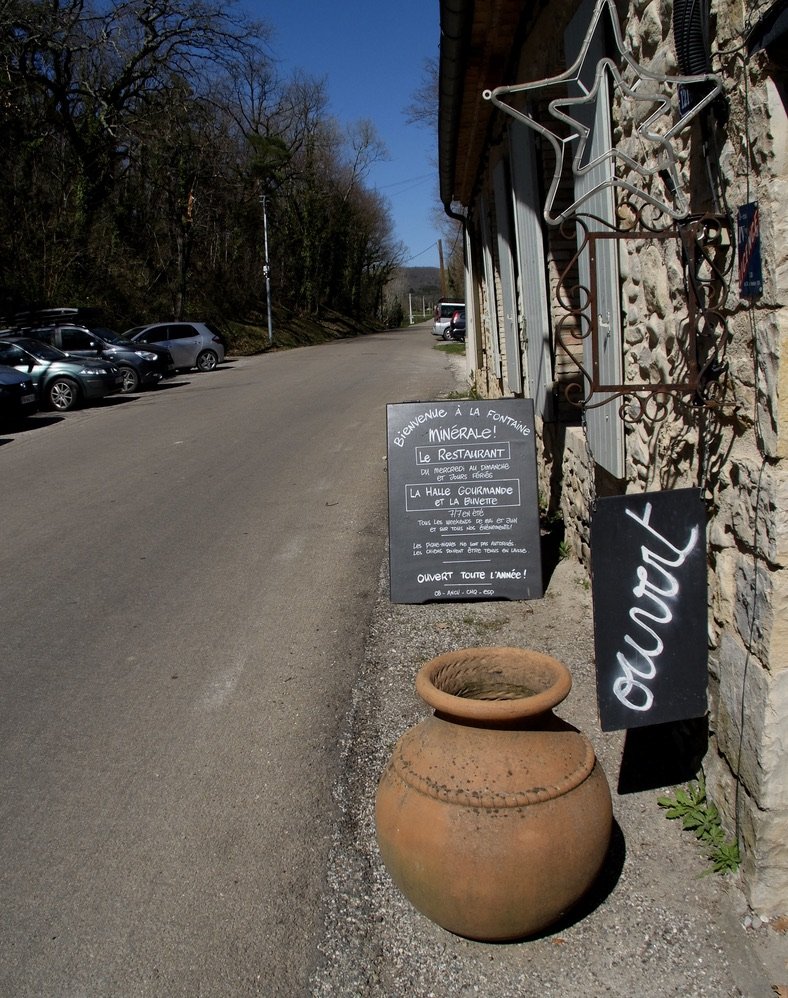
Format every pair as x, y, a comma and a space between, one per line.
463, 501
648, 555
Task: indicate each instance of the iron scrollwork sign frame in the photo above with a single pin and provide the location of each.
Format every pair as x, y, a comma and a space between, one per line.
655, 183
705, 244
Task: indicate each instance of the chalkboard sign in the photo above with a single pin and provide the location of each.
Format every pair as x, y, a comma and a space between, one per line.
463, 501
648, 556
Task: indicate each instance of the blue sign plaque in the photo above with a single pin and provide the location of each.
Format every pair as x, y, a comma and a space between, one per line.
748, 233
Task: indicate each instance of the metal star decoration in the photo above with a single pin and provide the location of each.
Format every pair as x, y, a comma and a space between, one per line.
660, 142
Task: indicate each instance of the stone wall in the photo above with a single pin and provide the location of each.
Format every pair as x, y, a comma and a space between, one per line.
738, 454
563, 457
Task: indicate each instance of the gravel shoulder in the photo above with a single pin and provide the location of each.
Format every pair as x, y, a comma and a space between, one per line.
658, 924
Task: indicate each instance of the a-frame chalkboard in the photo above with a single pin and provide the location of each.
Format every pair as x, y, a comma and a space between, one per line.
648, 555
463, 501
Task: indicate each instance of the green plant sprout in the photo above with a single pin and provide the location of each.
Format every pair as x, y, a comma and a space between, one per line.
470, 393
699, 815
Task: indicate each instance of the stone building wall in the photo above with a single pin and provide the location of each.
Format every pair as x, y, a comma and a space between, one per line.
737, 454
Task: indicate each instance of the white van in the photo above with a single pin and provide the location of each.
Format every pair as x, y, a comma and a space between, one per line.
444, 310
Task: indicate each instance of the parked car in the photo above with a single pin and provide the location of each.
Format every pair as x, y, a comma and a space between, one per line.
17, 396
192, 344
456, 327
444, 310
141, 366
61, 382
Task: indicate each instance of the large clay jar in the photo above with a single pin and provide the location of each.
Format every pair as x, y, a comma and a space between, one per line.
493, 816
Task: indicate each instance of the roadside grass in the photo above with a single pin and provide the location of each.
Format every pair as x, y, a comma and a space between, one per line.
452, 347
291, 330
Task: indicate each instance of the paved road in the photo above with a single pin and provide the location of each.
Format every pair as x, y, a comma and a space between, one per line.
186, 582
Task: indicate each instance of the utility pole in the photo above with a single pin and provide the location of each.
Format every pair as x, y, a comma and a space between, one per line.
267, 269
444, 292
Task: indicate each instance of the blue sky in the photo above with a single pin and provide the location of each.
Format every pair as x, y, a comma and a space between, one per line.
371, 55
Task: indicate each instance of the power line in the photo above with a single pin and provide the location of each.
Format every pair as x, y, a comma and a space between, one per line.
417, 255
407, 180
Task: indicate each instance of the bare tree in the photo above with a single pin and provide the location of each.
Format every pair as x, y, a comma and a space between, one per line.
136, 137
423, 106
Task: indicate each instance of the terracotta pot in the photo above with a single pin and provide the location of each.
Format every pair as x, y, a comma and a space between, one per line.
493, 816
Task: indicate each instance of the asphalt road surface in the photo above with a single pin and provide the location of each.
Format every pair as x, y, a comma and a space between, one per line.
186, 577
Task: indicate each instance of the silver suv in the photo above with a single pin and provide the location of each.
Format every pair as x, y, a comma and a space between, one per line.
444, 310
192, 344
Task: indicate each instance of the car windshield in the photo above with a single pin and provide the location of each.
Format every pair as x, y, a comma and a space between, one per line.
108, 335
43, 351
130, 332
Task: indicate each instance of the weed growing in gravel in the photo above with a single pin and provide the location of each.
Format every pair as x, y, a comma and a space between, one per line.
699, 815
483, 625
470, 394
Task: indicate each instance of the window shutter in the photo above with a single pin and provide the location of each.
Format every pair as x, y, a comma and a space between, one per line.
534, 289
605, 429
511, 332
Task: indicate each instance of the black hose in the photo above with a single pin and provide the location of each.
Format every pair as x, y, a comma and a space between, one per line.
691, 35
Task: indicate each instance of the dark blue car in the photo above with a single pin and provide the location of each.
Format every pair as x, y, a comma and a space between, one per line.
456, 327
17, 396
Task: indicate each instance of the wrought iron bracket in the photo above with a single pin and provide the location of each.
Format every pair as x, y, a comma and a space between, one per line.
697, 361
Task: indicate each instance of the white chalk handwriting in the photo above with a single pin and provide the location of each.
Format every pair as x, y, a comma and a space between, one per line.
630, 687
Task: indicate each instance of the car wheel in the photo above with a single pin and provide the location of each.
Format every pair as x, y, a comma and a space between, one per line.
447, 333
207, 360
131, 380
62, 394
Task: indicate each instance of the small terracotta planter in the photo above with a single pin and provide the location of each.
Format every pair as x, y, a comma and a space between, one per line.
493, 816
